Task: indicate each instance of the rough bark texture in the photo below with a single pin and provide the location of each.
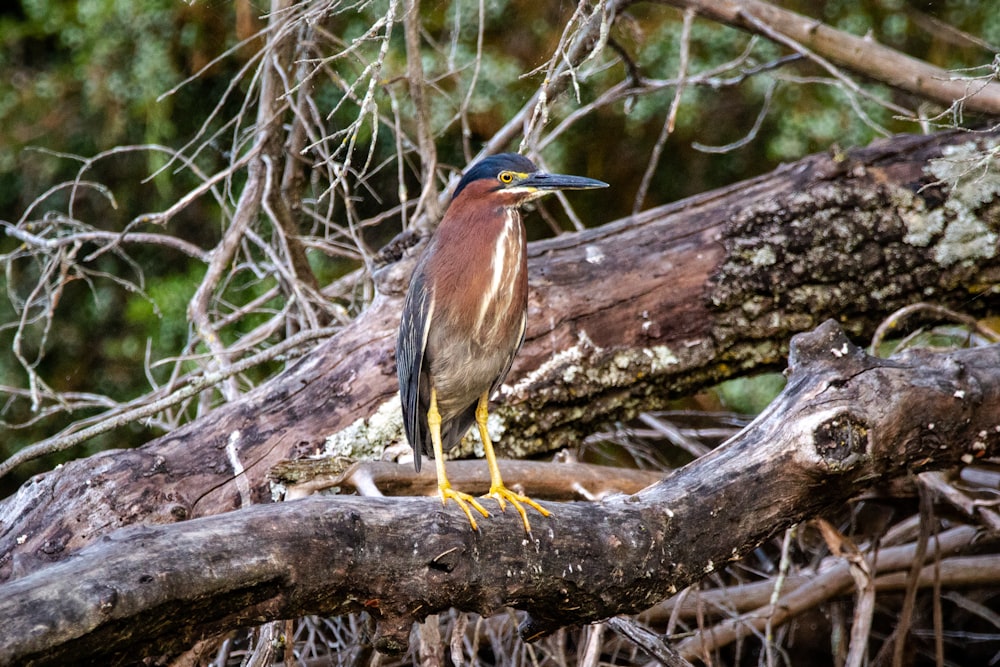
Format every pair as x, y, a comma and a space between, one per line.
622, 318
844, 422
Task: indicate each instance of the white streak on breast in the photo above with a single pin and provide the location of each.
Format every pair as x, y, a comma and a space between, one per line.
497, 264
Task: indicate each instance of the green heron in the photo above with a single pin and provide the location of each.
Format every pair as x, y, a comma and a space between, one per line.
464, 317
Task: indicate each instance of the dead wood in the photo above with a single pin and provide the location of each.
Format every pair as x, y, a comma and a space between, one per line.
622, 318
845, 422
860, 54
752, 600
553, 481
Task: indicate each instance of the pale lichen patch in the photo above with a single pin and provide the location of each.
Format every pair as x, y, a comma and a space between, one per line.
594, 255
661, 357
278, 491
970, 172
366, 438
764, 256
966, 237
567, 363
622, 360
921, 228
496, 426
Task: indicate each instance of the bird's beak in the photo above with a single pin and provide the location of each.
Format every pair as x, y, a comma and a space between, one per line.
545, 182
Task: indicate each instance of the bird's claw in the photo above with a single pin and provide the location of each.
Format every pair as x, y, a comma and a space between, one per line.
503, 495
463, 500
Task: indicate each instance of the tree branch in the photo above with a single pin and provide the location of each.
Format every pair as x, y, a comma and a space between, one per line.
858, 54
845, 422
622, 318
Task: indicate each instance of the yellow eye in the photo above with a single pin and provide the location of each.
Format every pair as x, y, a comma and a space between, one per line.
506, 177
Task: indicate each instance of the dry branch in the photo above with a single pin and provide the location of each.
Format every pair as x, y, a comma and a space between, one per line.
554, 481
858, 54
845, 422
621, 319
809, 591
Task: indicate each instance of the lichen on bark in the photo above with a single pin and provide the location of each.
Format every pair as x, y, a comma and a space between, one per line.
958, 231
861, 246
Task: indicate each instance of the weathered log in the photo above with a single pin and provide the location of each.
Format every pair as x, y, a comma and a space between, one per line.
844, 422
622, 318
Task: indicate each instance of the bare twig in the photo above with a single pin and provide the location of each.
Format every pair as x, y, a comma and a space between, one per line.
648, 641
928, 310
827, 46
425, 135
208, 379
832, 580
668, 123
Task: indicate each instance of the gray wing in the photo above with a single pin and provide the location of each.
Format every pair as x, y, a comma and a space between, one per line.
454, 431
410, 347
510, 360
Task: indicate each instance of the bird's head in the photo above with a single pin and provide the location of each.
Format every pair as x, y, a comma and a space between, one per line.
510, 179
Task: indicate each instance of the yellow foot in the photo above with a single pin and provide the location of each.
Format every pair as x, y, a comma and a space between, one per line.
502, 494
463, 500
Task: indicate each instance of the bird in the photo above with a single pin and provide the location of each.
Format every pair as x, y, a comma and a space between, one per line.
464, 318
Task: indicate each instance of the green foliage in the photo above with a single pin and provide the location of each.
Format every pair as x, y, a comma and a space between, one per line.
750, 395
159, 316
815, 118
83, 76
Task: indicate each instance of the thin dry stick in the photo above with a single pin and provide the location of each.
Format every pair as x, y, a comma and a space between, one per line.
859, 54
783, 567
937, 613
107, 239
831, 581
565, 66
208, 379
668, 123
716, 78
579, 50
592, 647
910, 597
425, 137
849, 85
458, 629
864, 608
955, 571
463, 110
749, 136
282, 198
648, 641
933, 310
271, 107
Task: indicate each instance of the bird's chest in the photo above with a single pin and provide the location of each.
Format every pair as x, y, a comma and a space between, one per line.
501, 286
480, 280
481, 299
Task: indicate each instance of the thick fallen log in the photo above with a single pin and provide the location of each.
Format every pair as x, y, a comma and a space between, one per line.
622, 318
845, 422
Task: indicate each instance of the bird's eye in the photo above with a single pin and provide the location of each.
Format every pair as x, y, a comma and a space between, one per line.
506, 177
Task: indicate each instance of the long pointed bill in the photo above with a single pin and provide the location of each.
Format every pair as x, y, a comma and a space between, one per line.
544, 182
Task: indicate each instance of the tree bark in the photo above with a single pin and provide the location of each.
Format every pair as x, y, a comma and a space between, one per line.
622, 318
845, 422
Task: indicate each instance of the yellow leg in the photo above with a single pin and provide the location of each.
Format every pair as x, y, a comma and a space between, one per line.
498, 491
463, 500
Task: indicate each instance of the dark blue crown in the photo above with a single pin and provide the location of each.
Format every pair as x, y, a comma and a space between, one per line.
490, 167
